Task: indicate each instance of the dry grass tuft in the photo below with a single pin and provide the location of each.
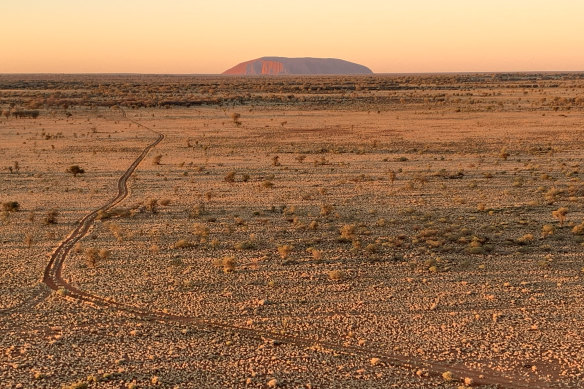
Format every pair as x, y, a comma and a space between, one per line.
336, 275
560, 214
284, 250
182, 244
91, 255
347, 232
228, 264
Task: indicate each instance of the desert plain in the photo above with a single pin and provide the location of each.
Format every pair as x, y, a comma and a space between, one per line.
407, 231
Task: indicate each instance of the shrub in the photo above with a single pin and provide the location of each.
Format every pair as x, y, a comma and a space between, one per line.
152, 205
11, 206
75, 170
335, 275
326, 209
110, 213
372, 248
227, 263
244, 245
91, 255
475, 246
284, 250
201, 231
560, 214
316, 254
51, 217
347, 232
26, 114
578, 229
525, 239
235, 117
547, 230
230, 177
182, 244
289, 210
116, 231
447, 376
552, 194
196, 211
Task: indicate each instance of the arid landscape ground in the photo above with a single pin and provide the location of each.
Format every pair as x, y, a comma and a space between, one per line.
299, 232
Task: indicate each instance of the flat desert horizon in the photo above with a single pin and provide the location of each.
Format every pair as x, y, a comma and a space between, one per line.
371, 231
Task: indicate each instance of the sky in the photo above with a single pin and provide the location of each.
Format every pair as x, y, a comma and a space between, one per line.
206, 36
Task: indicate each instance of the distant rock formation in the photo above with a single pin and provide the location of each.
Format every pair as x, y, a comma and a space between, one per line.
283, 65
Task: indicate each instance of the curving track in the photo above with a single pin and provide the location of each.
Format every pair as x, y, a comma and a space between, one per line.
54, 280
52, 276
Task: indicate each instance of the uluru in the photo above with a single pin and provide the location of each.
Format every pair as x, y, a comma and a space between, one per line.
307, 65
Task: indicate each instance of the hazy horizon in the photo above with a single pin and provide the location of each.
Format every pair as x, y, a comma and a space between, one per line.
422, 36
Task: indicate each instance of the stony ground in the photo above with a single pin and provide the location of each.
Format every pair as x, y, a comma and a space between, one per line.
434, 236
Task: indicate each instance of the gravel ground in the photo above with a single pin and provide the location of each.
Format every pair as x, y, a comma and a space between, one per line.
445, 264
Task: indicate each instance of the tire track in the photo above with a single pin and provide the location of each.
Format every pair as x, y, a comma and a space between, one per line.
57, 257
54, 280
52, 275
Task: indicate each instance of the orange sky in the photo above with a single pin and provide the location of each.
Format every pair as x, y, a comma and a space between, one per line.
180, 36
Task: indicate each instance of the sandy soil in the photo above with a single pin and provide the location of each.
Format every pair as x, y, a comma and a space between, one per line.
379, 249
